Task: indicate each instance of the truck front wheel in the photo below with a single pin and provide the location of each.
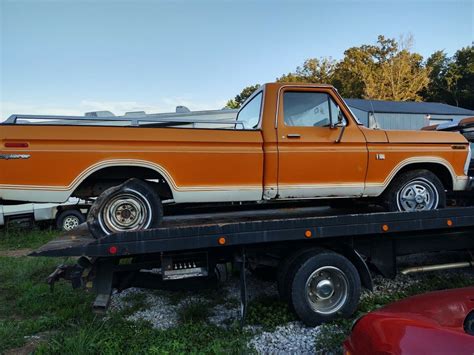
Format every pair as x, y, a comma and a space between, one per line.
416, 190
132, 206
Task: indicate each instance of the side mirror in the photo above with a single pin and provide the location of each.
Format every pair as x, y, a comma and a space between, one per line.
340, 119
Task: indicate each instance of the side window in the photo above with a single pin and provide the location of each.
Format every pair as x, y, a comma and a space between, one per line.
309, 109
249, 115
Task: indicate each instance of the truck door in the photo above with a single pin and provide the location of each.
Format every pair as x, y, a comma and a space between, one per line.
311, 161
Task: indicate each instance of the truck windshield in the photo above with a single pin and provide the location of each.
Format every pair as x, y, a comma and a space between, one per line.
249, 115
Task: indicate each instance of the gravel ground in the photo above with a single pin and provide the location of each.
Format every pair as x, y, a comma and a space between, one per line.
293, 337
162, 310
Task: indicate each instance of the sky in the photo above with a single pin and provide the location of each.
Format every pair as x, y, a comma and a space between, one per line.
71, 56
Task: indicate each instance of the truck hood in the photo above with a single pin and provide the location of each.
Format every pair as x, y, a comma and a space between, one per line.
424, 137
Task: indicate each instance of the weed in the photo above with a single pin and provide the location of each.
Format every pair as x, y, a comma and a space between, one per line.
268, 312
193, 312
124, 337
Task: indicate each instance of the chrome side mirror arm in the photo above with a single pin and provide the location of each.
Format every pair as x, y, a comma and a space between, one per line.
343, 128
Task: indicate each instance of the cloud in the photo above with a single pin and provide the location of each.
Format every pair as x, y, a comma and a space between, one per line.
169, 104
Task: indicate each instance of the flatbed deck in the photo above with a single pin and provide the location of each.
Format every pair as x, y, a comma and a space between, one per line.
197, 231
193, 246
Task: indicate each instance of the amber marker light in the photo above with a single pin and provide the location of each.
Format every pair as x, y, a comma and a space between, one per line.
221, 240
385, 228
308, 234
449, 222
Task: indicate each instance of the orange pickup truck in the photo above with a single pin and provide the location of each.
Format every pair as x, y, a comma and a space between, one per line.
289, 141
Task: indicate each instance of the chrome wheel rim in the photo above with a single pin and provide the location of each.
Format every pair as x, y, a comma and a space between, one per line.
327, 290
125, 212
70, 222
417, 195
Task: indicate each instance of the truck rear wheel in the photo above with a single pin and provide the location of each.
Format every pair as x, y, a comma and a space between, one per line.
285, 271
416, 190
132, 206
324, 286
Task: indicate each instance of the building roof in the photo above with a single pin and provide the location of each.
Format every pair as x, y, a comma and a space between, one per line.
432, 108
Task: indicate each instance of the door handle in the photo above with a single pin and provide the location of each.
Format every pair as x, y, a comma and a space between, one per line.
293, 135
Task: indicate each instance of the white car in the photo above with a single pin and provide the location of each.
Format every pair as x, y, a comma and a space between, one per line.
67, 215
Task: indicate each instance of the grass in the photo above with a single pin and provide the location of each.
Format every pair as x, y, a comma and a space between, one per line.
119, 336
66, 320
26, 305
268, 312
193, 312
18, 238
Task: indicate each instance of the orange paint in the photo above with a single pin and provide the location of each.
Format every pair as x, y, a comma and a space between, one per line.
209, 164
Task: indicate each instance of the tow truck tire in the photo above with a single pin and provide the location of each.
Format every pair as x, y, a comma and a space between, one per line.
285, 271
415, 190
132, 206
324, 287
69, 219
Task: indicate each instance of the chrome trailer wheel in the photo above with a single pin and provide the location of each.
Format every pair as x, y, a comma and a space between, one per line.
324, 285
327, 290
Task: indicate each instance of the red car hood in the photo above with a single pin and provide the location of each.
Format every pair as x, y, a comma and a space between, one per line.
446, 309
431, 323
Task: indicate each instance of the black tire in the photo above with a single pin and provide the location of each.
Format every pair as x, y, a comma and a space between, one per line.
69, 219
284, 272
132, 206
338, 288
400, 186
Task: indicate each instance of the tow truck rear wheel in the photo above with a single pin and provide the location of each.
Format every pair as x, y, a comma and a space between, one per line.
132, 206
285, 271
324, 286
416, 190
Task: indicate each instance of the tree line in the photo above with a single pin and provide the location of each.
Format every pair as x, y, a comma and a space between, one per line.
388, 70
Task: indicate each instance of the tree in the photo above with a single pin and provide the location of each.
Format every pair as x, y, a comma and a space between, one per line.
451, 79
460, 77
313, 71
387, 70
437, 89
236, 102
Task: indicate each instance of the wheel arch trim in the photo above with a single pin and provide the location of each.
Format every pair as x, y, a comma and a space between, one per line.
375, 189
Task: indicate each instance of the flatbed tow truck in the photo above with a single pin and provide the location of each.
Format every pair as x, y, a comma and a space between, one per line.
321, 256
